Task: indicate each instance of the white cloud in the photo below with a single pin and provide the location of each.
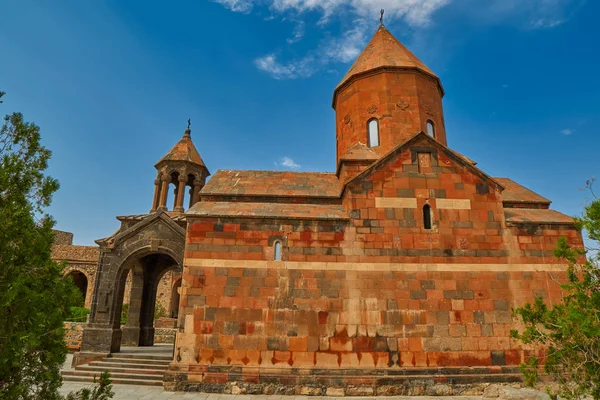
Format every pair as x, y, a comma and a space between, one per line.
243, 6
298, 33
345, 47
287, 162
567, 131
302, 68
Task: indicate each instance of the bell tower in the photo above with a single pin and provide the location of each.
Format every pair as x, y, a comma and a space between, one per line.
387, 96
183, 168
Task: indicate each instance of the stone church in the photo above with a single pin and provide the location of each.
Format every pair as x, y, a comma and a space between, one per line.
402, 264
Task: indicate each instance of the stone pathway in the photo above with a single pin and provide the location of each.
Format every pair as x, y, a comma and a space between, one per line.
127, 392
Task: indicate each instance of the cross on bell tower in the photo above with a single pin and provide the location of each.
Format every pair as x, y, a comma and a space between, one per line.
183, 168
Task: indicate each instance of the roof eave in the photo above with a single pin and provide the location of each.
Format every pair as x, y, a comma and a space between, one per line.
354, 77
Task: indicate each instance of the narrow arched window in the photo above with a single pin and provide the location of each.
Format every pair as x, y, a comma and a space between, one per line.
430, 129
277, 251
373, 127
427, 223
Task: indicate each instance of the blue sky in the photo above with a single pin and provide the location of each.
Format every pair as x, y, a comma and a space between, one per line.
112, 84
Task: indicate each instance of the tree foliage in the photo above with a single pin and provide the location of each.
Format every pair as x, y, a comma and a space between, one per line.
101, 391
34, 300
569, 331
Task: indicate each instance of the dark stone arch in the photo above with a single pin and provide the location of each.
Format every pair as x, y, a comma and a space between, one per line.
154, 244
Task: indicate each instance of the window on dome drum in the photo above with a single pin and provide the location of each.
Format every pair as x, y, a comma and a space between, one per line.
427, 222
373, 127
277, 251
430, 129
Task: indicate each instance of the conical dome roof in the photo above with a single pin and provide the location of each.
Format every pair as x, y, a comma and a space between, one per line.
184, 150
384, 50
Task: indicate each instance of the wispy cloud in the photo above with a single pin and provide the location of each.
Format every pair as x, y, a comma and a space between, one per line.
298, 33
287, 162
345, 46
567, 131
243, 6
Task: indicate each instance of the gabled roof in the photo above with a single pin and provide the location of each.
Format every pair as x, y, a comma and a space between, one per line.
536, 216
245, 209
143, 223
184, 150
515, 193
458, 158
272, 184
384, 50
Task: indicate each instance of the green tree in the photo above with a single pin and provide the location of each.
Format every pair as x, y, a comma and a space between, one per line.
34, 300
569, 331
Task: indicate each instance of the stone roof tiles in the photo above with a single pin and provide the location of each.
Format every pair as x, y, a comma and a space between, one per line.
360, 151
268, 210
184, 150
384, 50
537, 216
273, 184
515, 193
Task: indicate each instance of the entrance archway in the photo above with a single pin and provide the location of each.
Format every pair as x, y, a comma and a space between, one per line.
149, 248
81, 281
147, 272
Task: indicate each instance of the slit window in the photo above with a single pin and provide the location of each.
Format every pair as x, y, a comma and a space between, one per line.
373, 127
430, 129
277, 251
427, 222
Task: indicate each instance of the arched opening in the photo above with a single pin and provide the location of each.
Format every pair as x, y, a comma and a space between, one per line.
373, 129
427, 217
175, 299
187, 195
146, 273
175, 183
431, 129
277, 250
81, 281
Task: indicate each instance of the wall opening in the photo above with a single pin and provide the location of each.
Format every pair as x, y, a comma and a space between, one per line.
373, 128
277, 250
427, 217
431, 129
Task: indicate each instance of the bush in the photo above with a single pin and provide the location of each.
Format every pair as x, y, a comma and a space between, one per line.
569, 331
124, 312
159, 311
78, 314
102, 391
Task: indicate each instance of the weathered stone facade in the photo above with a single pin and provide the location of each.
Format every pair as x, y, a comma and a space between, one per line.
394, 275
404, 263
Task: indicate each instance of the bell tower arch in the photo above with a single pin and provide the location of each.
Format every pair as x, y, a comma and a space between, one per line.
180, 170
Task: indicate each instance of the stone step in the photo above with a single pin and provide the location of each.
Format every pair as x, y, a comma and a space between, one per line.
114, 375
110, 364
122, 370
162, 357
147, 361
114, 381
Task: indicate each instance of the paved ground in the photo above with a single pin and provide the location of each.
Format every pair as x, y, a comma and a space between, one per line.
156, 393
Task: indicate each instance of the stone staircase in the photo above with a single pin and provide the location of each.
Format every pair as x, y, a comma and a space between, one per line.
132, 366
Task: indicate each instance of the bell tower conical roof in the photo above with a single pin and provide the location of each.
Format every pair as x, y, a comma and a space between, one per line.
384, 50
181, 168
184, 150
